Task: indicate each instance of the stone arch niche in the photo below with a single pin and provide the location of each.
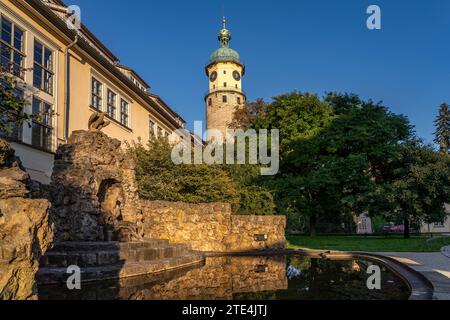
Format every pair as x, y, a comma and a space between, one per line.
111, 197
93, 191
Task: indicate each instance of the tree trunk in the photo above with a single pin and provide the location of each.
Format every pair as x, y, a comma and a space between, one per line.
407, 233
312, 226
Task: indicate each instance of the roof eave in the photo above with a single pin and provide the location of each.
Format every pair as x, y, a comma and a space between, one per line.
53, 18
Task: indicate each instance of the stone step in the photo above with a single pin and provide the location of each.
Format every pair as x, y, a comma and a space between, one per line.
106, 246
49, 275
60, 259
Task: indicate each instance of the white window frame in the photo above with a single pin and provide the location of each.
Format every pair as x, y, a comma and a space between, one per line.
109, 90
123, 99
44, 69
23, 53
102, 86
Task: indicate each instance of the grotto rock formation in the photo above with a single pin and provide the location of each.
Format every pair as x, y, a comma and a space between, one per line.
93, 191
25, 232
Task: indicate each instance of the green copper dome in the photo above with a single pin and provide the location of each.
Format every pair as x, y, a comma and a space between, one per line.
224, 53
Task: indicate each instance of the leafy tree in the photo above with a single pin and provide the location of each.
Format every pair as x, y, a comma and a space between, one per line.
243, 117
442, 123
12, 104
415, 187
160, 179
333, 151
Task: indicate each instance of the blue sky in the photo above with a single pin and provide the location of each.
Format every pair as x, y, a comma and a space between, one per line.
305, 45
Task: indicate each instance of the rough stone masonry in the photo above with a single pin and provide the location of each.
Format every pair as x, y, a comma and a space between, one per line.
93, 197
25, 232
93, 191
212, 227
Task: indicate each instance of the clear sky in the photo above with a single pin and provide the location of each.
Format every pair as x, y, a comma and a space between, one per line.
305, 45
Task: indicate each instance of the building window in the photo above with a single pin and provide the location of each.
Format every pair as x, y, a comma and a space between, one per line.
224, 99
41, 131
160, 132
209, 102
151, 129
13, 131
12, 53
43, 68
225, 84
239, 100
111, 104
96, 94
439, 225
124, 112
224, 71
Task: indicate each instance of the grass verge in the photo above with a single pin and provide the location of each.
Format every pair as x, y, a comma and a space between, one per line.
369, 243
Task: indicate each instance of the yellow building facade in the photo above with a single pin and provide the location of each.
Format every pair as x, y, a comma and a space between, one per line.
225, 94
69, 74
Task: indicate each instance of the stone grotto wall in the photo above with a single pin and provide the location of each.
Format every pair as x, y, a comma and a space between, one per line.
93, 191
93, 197
212, 227
257, 233
25, 232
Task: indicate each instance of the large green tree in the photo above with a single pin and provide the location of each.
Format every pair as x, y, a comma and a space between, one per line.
160, 179
415, 187
442, 123
332, 152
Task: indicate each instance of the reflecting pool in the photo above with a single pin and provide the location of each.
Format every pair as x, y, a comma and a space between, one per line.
291, 277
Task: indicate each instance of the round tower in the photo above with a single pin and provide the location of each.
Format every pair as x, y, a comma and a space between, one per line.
225, 95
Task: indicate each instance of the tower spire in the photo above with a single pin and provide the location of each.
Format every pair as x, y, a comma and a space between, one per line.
225, 34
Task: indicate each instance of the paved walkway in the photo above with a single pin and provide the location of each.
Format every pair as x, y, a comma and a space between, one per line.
434, 266
446, 251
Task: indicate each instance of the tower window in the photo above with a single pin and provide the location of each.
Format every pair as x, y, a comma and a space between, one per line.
236, 86
224, 84
209, 102
224, 71
239, 100
224, 99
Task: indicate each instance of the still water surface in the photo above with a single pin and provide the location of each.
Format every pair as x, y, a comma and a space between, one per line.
247, 278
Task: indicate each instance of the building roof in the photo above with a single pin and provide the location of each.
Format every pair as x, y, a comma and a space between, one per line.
164, 105
104, 58
91, 36
134, 73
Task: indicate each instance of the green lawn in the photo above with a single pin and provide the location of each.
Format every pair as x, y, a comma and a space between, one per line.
369, 244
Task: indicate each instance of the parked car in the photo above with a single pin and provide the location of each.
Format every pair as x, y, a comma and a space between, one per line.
393, 228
